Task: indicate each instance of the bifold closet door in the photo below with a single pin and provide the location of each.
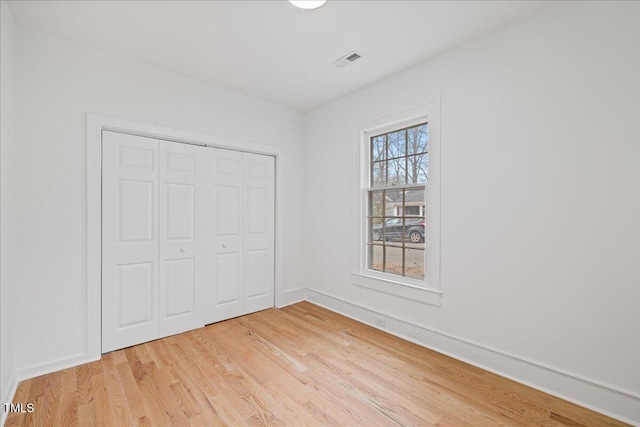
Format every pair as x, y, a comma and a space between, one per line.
258, 232
153, 216
182, 238
224, 245
130, 176
240, 247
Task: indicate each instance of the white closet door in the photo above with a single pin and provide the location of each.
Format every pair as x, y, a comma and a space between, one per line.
182, 237
129, 240
153, 226
258, 232
240, 254
224, 243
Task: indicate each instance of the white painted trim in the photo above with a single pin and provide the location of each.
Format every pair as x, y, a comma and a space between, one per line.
291, 297
399, 289
58, 365
94, 237
607, 399
95, 125
428, 110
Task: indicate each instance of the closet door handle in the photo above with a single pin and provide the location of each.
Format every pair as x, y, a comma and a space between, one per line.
224, 246
183, 250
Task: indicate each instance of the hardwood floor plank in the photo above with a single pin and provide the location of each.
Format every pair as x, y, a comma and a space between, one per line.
101, 402
276, 378
300, 366
153, 386
216, 378
87, 415
23, 395
145, 410
115, 390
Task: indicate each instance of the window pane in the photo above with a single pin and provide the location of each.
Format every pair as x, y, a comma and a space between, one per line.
423, 174
376, 207
375, 257
412, 210
414, 263
397, 144
393, 229
414, 232
378, 151
393, 202
414, 200
394, 260
379, 175
417, 139
418, 168
376, 231
397, 171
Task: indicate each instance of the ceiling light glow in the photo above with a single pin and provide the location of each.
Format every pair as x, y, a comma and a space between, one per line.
307, 4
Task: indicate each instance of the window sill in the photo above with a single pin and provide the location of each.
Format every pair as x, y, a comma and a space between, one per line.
399, 289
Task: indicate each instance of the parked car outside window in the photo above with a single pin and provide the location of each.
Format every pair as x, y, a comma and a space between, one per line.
412, 230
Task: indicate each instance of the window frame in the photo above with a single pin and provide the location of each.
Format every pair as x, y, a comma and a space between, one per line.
427, 290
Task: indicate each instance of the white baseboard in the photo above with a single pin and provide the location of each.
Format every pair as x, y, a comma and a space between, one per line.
58, 365
291, 297
621, 404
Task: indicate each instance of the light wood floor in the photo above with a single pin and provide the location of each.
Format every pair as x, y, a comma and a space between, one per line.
301, 366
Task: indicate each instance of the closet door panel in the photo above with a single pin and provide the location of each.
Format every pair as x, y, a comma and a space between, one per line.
180, 212
182, 237
181, 287
135, 289
135, 204
258, 233
129, 240
228, 271
257, 279
224, 243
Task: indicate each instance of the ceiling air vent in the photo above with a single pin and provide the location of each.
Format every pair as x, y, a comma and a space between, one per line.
347, 59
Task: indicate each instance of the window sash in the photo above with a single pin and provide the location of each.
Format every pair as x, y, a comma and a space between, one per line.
382, 160
405, 263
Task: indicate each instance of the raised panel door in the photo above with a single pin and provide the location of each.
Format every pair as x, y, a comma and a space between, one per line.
258, 233
181, 238
129, 240
224, 244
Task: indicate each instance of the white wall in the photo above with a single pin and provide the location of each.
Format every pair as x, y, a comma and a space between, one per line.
8, 39
58, 83
540, 202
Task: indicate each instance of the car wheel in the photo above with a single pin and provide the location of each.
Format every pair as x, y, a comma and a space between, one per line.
376, 235
415, 236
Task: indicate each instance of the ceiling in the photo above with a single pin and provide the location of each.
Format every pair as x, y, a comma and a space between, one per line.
270, 49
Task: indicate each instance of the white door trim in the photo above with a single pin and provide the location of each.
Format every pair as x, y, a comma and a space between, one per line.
95, 125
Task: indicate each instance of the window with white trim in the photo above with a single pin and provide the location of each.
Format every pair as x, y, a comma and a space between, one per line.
397, 196
398, 172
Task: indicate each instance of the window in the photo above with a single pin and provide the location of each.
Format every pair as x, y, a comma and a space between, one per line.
398, 170
396, 250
